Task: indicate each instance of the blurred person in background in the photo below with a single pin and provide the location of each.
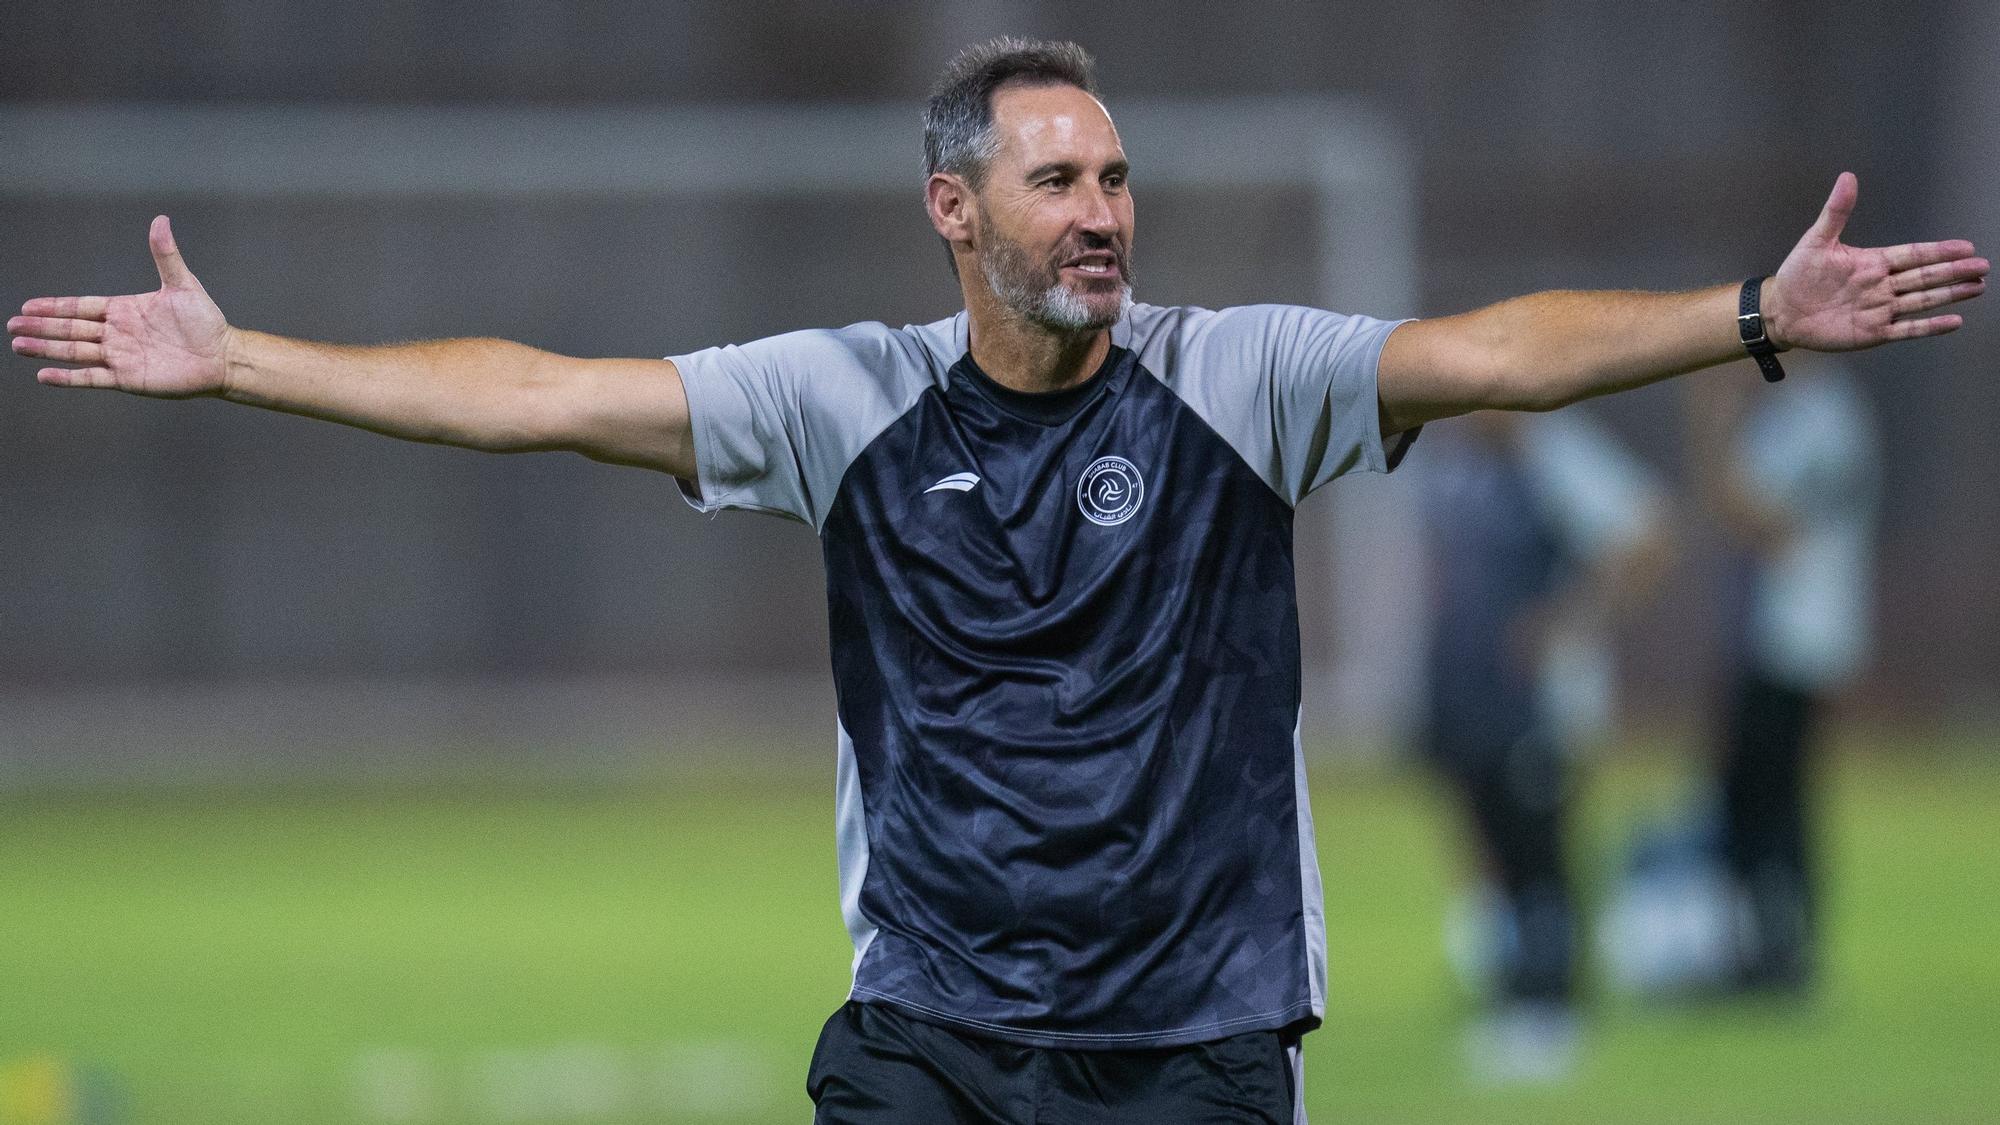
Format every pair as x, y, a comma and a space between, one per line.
1794, 479
1725, 900
1076, 852
1542, 533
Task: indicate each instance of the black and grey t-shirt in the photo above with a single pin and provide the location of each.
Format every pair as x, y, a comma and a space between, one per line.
1071, 806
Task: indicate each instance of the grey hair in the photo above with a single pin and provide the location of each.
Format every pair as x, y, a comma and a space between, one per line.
958, 121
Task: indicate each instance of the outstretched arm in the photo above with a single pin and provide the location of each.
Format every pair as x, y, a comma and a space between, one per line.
483, 394
1550, 349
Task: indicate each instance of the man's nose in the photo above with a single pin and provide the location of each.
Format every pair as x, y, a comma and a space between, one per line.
1098, 217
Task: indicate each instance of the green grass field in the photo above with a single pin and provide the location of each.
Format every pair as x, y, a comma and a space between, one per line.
666, 952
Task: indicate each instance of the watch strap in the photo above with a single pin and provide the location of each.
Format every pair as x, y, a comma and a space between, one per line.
1750, 326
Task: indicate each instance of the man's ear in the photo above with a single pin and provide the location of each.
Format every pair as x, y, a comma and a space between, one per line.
952, 207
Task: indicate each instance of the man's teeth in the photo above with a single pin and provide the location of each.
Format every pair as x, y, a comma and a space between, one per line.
1093, 267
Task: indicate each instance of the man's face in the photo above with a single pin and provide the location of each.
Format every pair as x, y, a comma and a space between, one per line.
1055, 219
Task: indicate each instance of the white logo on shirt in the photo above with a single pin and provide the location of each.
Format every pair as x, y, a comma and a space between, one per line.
956, 482
1109, 491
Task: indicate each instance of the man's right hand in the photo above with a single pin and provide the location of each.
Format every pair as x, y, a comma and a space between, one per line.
173, 343
494, 395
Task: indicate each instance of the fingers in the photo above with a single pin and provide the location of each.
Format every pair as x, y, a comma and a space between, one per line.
85, 308
98, 378
1917, 255
174, 273
1839, 205
1924, 299
1935, 273
63, 351
51, 328
1928, 326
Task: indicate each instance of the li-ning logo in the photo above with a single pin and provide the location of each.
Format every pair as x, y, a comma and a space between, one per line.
1109, 491
956, 482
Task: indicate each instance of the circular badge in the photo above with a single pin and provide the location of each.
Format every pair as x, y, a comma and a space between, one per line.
1109, 491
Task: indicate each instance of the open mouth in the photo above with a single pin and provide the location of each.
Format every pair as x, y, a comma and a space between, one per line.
1097, 264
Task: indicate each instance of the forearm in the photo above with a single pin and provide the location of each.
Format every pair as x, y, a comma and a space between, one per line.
1551, 349
483, 394
1547, 350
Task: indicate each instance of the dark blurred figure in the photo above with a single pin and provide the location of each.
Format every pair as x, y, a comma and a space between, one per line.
1792, 475
1542, 531
1722, 899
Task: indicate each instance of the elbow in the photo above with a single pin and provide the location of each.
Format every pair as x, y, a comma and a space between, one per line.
520, 441
533, 412
509, 421
1517, 384
1505, 369
538, 424
1546, 403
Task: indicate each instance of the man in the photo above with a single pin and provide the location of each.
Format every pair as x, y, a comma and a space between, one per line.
1721, 899
1075, 850
1793, 480
1542, 530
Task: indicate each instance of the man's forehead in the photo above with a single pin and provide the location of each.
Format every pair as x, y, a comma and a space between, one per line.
1037, 122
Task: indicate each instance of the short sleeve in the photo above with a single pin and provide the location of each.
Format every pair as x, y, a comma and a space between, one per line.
1292, 389
777, 421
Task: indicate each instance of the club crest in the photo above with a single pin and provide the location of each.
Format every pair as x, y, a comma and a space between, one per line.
1110, 490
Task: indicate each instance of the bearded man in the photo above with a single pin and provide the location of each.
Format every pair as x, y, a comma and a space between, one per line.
1076, 857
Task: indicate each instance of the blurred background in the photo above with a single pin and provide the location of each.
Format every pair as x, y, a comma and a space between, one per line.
343, 780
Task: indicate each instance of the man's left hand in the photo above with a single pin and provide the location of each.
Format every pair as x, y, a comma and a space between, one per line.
1831, 297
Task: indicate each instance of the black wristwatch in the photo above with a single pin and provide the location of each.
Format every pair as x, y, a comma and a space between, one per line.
1750, 325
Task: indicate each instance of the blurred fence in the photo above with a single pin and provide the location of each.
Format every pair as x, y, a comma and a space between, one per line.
190, 552
219, 579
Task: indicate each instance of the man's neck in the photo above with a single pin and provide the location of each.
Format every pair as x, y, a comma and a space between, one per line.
1027, 357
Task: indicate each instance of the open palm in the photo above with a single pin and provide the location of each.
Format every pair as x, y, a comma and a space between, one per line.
172, 343
1832, 297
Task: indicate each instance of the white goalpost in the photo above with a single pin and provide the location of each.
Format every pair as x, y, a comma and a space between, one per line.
1351, 160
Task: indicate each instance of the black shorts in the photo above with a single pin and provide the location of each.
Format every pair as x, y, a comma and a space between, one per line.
876, 1066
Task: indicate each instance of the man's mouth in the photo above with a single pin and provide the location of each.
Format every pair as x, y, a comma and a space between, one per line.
1098, 264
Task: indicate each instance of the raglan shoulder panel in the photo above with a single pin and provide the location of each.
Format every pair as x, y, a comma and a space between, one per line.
777, 421
1291, 389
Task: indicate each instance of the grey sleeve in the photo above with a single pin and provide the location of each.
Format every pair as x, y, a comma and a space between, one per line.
1292, 389
777, 421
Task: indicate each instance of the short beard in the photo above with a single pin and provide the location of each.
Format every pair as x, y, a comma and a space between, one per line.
1037, 294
